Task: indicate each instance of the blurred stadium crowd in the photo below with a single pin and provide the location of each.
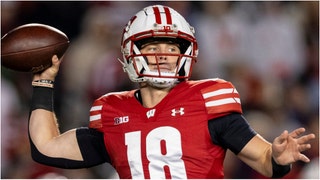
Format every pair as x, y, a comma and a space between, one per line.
268, 50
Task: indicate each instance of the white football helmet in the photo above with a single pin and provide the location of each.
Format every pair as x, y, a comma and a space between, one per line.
158, 23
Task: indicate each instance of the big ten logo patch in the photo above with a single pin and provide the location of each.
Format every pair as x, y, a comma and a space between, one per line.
121, 120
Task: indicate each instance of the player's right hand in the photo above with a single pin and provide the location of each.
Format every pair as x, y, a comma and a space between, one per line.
51, 72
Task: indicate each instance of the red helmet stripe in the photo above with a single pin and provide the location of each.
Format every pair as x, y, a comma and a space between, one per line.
157, 14
168, 15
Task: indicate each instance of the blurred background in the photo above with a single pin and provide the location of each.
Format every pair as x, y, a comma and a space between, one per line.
268, 50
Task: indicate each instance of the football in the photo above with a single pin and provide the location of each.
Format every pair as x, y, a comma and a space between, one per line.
30, 47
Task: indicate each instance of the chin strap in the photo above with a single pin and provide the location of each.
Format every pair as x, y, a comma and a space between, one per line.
161, 82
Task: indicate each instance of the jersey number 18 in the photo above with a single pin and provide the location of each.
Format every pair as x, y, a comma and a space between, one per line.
171, 158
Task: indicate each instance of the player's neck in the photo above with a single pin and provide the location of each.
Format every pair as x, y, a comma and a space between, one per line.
151, 96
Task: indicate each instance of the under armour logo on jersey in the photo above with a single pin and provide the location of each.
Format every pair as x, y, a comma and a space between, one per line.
151, 113
179, 111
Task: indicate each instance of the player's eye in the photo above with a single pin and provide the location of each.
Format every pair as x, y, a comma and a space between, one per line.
153, 49
173, 49
156, 48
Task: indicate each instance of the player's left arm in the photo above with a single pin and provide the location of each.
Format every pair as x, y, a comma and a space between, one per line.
274, 160
232, 131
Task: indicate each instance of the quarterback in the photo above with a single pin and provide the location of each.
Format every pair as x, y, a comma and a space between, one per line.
170, 127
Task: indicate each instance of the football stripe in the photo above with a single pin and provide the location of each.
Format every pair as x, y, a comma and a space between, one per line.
157, 15
95, 113
221, 97
222, 102
217, 87
219, 92
96, 108
95, 117
168, 15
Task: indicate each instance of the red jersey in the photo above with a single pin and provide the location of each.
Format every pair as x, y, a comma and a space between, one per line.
170, 140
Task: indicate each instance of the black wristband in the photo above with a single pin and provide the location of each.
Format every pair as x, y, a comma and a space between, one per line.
42, 98
279, 171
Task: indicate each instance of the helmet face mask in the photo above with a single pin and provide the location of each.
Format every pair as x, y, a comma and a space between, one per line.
158, 24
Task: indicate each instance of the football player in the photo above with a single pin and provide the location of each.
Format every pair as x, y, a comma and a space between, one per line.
170, 127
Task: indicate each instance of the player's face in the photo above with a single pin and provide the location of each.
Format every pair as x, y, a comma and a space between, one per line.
164, 56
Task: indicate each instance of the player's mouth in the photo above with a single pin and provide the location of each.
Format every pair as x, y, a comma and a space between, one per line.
163, 67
